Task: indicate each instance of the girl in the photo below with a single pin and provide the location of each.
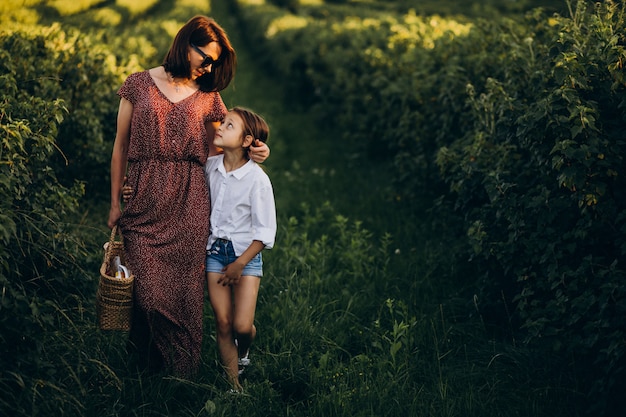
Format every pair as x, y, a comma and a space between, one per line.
243, 223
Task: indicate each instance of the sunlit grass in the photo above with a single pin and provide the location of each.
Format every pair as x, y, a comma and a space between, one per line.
70, 7
286, 22
107, 17
136, 7
253, 2
18, 11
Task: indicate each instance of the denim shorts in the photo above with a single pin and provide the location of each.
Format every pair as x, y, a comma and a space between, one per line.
222, 253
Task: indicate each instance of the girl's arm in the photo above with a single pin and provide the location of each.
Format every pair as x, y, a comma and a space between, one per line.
119, 159
232, 272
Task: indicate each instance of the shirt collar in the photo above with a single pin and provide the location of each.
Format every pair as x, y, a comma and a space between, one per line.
239, 173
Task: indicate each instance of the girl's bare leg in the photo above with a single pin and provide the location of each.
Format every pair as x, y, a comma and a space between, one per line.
221, 301
245, 299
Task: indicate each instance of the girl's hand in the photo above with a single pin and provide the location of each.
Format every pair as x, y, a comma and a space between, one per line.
259, 151
231, 274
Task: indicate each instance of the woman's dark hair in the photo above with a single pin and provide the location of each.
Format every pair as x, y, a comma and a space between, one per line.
253, 125
202, 30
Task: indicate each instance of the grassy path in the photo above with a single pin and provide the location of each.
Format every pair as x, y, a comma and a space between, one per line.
299, 154
309, 163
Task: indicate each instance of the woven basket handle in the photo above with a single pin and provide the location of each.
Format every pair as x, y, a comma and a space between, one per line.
107, 251
114, 231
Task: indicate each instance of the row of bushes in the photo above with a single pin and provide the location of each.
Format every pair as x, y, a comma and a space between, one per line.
57, 123
57, 89
516, 124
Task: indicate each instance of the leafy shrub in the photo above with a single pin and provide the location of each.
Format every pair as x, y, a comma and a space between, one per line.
39, 255
537, 178
53, 64
47, 354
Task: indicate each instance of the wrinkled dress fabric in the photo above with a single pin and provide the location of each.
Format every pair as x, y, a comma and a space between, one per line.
165, 224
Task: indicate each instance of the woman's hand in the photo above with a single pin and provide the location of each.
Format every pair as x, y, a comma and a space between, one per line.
116, 212
127, 193
259, 151
114, 215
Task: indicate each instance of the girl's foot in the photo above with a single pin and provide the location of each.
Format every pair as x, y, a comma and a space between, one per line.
243, 362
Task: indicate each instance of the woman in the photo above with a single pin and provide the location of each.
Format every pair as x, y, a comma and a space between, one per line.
165, 127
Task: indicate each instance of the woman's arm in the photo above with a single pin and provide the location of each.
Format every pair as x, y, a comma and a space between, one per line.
119, 159
211, 128
259, 151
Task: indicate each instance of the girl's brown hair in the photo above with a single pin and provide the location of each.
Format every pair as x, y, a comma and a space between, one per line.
202, 30
253, 125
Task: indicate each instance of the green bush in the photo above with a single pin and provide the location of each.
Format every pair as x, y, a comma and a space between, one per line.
537, 180
55, 91
40, 255
53, 64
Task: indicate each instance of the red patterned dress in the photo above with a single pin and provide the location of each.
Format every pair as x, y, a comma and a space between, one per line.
166, 222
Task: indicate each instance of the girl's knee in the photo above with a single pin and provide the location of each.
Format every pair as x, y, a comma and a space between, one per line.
246, 329
224, 326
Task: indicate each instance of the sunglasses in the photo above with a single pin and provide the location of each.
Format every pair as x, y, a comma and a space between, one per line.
206, 60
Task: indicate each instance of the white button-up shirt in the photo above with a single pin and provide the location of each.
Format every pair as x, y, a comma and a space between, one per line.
242, 204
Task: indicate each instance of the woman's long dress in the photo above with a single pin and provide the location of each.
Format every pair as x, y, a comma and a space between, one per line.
166, 222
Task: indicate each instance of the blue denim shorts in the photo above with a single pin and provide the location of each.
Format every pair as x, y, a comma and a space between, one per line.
222, 253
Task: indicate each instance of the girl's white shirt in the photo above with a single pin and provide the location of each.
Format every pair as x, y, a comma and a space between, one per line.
242, 204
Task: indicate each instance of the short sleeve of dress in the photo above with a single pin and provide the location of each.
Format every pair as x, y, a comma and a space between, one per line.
217, 109
129, 88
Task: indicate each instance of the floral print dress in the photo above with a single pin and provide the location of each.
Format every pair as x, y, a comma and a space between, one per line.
165, 224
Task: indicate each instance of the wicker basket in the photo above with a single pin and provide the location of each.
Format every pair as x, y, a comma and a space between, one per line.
114, 298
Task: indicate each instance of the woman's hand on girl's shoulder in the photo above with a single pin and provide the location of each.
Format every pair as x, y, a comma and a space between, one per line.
259, 151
